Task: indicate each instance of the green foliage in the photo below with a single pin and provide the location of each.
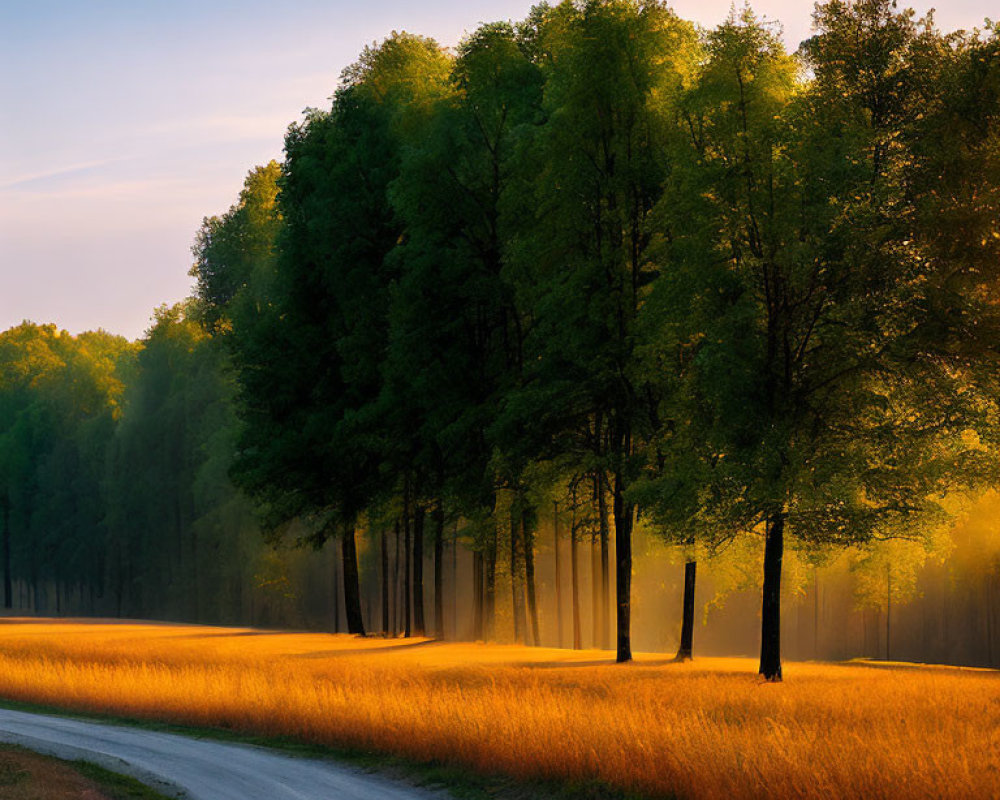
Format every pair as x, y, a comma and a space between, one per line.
723, 285
814, 375
309, 367
235, 252
59, 397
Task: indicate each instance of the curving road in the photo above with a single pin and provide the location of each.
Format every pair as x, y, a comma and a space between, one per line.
199, 769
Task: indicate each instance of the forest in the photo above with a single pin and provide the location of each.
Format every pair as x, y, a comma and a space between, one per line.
529, 339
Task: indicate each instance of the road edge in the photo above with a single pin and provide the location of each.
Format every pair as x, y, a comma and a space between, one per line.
68, 752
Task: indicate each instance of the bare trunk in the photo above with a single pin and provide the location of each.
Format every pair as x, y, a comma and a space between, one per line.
352, 588
395, 583
438, 514
595, 593
989, 619
419, 626
336, 594
684, 653
575, 578
770, 618
490, 595
8, 594
559, 604
407, 587
454, 584
815, 613
602, 509
516, 585
385, 583
528, 539
888, 614
623, 566
478, 591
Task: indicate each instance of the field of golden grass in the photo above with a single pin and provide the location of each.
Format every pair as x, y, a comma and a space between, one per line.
705, 729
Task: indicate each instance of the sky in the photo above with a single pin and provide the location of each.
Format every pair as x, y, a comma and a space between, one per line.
124, 122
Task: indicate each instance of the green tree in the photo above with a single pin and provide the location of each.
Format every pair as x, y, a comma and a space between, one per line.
612, 69
310, 364
827, 407
235, 253
452, 314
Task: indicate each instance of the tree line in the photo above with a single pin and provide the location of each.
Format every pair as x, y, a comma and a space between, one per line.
594, 269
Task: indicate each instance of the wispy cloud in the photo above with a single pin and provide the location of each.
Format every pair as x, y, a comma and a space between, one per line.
71, 170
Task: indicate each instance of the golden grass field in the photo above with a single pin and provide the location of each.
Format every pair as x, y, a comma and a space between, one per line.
706, 729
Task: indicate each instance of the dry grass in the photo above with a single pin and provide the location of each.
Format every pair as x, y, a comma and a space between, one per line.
707, 729
29, 776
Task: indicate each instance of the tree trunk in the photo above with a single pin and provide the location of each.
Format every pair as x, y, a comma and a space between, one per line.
438, 514
770, 617
454, 584
575, 578
352, 588
385, 584
623, 566
528, 540
336, 594
595, 592
989, 619
555, 542
687, 623
419, 626
8, 593
605, 594
195, 580
815, 613
490, 595
395, 583
516, 586
478, 592
407, 586
888, 613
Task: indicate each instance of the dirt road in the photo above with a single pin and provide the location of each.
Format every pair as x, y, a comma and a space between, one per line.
200, 769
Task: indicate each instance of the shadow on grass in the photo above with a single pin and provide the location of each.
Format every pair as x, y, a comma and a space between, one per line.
909, 666
230, 635
353, 651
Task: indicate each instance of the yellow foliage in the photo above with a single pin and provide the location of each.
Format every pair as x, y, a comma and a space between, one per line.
707, 729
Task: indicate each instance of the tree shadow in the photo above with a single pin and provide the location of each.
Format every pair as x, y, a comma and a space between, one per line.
601, 662
912, 666
352, 651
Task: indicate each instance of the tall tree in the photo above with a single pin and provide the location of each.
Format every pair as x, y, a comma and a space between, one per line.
813, 368
309, 363
451, 322
611, 68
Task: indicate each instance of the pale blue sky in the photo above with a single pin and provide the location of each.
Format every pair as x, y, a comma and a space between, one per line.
124, 122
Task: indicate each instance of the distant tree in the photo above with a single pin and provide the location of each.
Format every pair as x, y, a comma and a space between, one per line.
59, 397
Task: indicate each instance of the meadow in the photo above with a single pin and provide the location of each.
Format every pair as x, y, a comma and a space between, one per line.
704, 729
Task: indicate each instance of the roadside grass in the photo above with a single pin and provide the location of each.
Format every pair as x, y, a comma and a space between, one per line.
457, 781
26, 775
117, 787
488, 720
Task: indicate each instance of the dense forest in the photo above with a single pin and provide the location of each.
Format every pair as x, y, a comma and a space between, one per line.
523, 338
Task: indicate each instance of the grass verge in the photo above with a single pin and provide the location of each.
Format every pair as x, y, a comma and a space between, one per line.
27, 775
459, 783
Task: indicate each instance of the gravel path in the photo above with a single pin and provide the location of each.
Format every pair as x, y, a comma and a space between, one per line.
200, 769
